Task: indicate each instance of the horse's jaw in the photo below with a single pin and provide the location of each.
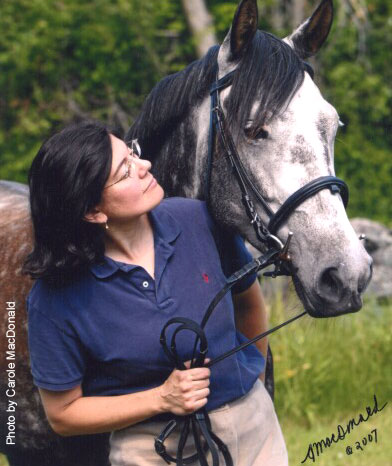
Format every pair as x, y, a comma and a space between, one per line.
318, 308
332, 268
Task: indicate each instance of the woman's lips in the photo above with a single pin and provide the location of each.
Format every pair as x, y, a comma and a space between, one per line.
151, 184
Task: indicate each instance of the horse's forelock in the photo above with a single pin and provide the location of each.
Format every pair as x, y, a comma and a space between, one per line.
268, 74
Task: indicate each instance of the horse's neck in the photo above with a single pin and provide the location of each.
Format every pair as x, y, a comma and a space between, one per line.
180, 165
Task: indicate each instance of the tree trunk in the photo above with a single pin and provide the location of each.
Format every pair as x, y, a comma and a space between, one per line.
277, 16
200, 24
297, 13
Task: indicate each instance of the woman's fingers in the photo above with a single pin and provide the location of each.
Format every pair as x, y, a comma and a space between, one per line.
196, 399
196, 373
200, 403
187, 390
200, 384
199, 374
187, 364
200, 394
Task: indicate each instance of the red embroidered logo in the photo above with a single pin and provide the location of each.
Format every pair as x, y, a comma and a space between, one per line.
205, 277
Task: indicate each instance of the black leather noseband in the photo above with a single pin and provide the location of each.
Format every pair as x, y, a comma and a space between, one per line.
336, 185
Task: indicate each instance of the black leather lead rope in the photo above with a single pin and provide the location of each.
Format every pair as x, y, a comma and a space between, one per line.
200, 422
253, 340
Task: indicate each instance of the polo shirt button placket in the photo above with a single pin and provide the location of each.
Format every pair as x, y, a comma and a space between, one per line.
145, 284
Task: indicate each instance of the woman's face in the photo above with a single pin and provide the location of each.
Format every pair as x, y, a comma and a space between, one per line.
131, 190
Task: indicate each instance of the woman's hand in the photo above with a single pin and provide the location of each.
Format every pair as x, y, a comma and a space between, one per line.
185, 391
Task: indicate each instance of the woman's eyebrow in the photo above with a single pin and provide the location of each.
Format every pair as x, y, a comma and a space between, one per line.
119, 166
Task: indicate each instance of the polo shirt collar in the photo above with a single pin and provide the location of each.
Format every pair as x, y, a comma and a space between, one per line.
166, 230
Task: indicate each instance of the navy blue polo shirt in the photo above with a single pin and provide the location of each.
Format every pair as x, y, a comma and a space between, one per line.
102, 331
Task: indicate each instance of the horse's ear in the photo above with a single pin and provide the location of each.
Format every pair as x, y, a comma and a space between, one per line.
244, 27
241, 33
310, 36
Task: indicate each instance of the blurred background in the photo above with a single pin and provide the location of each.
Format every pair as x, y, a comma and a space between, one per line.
63, 60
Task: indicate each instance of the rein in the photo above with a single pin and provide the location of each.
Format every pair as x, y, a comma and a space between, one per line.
277, 254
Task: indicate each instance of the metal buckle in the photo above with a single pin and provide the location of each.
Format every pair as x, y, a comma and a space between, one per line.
283, 256
159, 447
255, 218
276, 240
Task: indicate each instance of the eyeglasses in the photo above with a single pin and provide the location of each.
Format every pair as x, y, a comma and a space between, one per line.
135, 153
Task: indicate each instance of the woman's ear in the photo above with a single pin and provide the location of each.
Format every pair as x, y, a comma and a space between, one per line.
95, 216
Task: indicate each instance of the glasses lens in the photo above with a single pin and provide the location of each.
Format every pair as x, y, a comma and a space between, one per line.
136, 148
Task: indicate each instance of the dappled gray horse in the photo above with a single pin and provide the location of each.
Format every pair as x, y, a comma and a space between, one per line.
284, 132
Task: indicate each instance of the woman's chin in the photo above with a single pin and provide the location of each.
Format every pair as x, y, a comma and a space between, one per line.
155, 196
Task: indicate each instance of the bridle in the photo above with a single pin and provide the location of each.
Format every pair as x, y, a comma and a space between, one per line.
276, 254
266, 234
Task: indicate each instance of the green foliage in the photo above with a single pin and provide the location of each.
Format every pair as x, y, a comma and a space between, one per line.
61, 60
298, 438
330, 368
326, 373
357, 81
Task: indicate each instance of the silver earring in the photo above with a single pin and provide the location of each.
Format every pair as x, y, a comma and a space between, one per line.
106, 226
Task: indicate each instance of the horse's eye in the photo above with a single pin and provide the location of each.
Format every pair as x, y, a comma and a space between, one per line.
261, 133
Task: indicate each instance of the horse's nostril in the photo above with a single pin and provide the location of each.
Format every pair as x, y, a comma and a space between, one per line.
330, 281
330, 285
356, 302
365, 278
338, 288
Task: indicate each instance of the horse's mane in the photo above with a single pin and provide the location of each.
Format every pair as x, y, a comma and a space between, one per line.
170, 100
269, 71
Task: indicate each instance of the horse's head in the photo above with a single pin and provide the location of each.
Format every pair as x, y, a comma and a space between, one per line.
284, 131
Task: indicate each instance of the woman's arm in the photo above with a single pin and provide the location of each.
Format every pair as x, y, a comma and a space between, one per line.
251, 316
71, 413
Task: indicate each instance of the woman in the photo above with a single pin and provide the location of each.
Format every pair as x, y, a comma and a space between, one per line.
114, 262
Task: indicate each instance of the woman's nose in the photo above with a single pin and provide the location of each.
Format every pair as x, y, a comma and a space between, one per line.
143, 166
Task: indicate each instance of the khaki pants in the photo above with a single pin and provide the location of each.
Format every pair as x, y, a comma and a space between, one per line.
248, 426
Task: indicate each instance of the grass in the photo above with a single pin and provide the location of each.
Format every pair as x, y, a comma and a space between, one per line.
299, 437
326, 366
326, 373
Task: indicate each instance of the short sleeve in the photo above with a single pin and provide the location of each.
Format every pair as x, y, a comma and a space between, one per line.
57, 359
